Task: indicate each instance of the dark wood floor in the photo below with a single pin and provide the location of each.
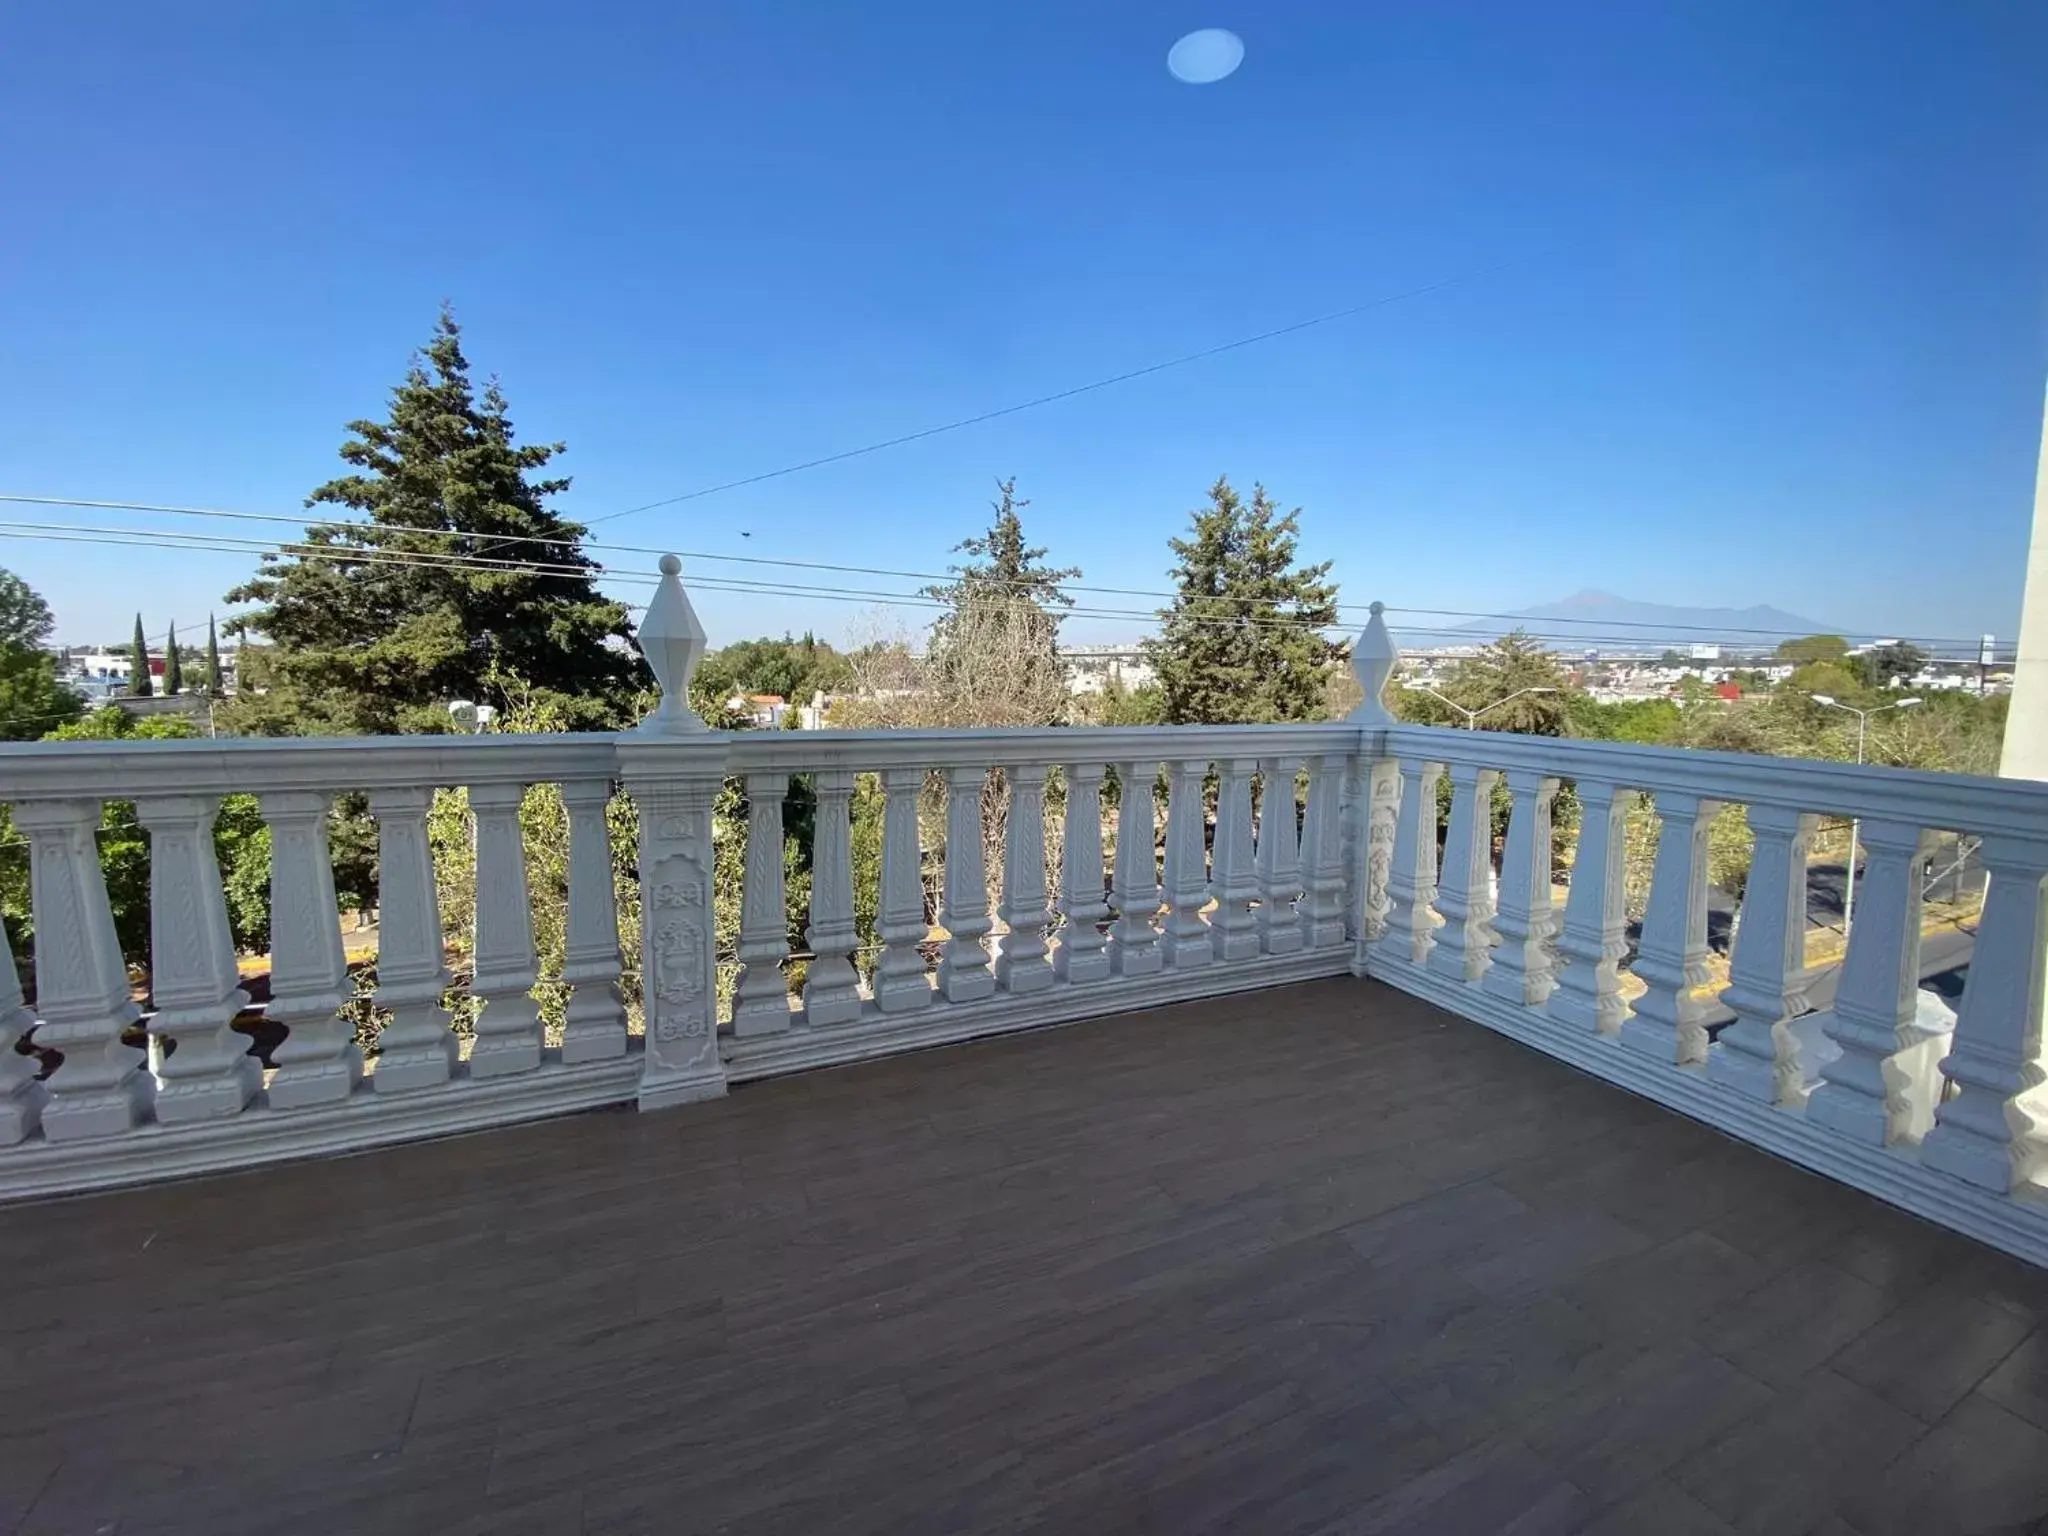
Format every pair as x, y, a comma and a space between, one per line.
1313, 1259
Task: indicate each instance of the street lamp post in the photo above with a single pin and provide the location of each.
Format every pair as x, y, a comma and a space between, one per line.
1862, 730
1472, 715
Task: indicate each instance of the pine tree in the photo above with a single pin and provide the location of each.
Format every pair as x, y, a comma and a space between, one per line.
139, 684
374, 627
1243, 641
174, 669
995, 649
213, 688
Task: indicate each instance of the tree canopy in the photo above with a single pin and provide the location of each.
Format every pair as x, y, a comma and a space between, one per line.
376, 625
1813, 648
1498, 681
24, 617
1243, 640
140, 684
791, 667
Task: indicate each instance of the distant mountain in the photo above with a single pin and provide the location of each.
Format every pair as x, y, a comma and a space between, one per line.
1603, 621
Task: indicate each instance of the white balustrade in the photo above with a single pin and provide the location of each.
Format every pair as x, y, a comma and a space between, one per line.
760, 1000
1380, 788
1990, 1133
1134, 886
318, 1061
1079, 952
831, 984
1671, 961
83, 1005
1411, 879
1234, 931
1021, 964
1594, 937
1874, 1091
1184, 941
21, 1099
900, 982
1321, 909
1524, 917
964, 973
416, 1048
202, 1067
1464, 888
1758, 1055
508, 1033
594, 1019
1278, 857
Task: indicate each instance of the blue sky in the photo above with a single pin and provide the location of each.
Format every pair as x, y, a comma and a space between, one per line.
1771, 332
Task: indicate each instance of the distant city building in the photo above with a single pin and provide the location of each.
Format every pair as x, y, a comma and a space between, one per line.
1094, 668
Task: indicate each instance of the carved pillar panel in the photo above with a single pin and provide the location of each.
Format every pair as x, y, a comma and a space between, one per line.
1595, 932
594, 1023
1321, 909
1865, 1093
1022, 966
900, 982
1524, 917
202, 1067
1134, 887
21, 1097
416, 1048
1411, 881
1185, 942
82, 1000
964, 973
1279, 857
1381, 788
1078, 953
1463, 893
508, 1025
1757, 1055
1672, 958
760, 1002
318, 1062
1990, 1133
674, 791
1234, 931
831, 984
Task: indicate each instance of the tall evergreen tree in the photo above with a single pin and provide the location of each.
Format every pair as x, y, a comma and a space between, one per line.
1243, 641
213, 688
139, 684
375, 626
996, 644
174, 669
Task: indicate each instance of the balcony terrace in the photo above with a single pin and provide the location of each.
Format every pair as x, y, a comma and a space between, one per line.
1309, 1224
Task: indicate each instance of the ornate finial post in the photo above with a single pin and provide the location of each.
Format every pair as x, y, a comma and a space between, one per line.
672, 640
1372, 663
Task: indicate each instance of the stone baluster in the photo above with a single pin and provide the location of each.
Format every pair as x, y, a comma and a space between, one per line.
416, 1048
1380, 789
1279, 857
900, 975
21, 1098
1525, 917
1234, 932
1078, 952
760, 1000
594, 1022
1411, 881
964, 973
1867, 1093
318, 1061
831, 984
1321, 909
508, 1030
1989, 1133
1463, 895
1595, 932
1757, 1055
1134, 886
1021, 964
1185, 942
1671, 960
674, 786
202, 1066
82, 998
